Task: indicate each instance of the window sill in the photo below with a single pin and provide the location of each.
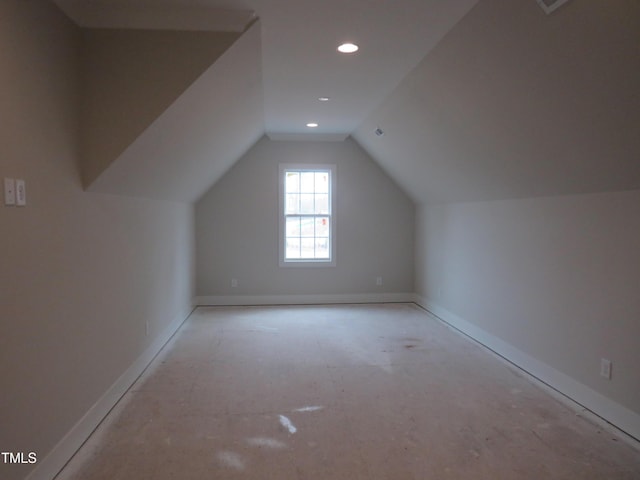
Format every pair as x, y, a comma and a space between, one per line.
307, 263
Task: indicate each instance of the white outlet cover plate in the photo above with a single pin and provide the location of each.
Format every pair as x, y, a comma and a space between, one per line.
9, 191
21, 193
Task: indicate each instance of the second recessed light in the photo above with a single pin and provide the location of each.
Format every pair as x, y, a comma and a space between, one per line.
312, 125
348, 48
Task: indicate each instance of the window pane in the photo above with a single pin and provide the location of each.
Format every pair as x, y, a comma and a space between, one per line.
322, 226
322, 248
292, 182
307, 247
322, 182
306, 182
306, 229
306, 203
293, 248
322, 203
293, 227
292, 203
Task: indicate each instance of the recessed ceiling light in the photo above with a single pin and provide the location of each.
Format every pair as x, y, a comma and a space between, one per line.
312, 125
324, 99
348, 48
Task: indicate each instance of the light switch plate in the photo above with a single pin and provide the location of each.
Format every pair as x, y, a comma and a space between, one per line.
605, 368
21, 193
9, 191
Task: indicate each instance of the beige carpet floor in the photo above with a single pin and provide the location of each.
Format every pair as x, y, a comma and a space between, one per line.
341, 392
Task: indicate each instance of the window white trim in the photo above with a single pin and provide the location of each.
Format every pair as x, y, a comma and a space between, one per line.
302, 167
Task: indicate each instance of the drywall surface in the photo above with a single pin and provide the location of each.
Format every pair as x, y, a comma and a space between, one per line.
237, 227
200, 135
514, 103
129, 78
82, 275
555, 277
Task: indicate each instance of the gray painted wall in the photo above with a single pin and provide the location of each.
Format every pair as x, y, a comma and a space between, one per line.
129, 78
513, 103
237, 227
192, 143
556, 277
81, 274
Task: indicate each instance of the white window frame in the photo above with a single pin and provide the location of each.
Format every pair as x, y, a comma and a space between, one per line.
305, 262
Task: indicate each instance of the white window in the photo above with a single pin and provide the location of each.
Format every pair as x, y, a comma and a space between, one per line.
307, 220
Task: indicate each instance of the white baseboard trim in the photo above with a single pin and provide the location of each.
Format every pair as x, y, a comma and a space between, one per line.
56, 459
315, 299
608, 410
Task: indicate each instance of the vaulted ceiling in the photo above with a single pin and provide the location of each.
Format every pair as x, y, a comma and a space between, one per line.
476, 100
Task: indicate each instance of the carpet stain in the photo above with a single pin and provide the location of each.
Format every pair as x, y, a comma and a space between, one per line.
266, 442
314, 408
231, 460
286, 423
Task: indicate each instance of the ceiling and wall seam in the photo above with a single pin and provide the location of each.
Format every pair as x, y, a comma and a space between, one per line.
200, 135
129, 78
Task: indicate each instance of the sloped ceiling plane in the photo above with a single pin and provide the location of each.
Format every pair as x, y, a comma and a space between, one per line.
457, 100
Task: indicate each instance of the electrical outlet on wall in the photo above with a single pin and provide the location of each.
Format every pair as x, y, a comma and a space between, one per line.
234, 283
605, 368
9, 191
21, 193
379, 281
